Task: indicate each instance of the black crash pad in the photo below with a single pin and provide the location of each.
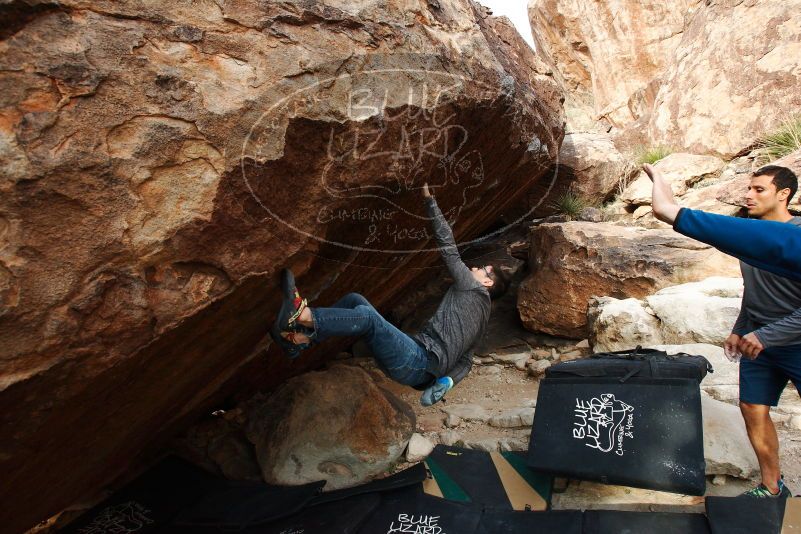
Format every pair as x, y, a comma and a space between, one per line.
618, 522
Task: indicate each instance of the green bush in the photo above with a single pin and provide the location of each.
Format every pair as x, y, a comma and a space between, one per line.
569, 204
652, 155
782, 141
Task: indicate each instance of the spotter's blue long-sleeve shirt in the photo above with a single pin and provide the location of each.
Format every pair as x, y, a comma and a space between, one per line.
770, 260
769, 245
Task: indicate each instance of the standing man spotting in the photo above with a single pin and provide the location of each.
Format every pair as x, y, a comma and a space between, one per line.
436, 358
768, 330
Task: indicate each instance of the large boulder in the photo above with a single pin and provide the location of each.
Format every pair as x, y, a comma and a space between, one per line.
726, 447
162, 161
681, 170
621, 324
219, 445
696, 312
574, 261
594, 164
701, 77
336, 425
589, 167
734, 75
607, 53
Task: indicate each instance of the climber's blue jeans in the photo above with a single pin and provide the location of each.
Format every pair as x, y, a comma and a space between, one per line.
398, 355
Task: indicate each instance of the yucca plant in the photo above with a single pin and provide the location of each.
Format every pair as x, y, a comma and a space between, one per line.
569, 204
781, 141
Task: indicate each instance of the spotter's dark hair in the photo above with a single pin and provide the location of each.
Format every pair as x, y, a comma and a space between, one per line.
783, 178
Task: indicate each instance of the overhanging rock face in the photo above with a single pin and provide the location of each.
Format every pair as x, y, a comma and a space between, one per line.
161, 164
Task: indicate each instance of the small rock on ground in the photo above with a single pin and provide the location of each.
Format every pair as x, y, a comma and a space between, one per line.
468, 412
538, 367
418, 449
515, 418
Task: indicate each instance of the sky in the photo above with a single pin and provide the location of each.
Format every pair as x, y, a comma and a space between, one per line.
517, 12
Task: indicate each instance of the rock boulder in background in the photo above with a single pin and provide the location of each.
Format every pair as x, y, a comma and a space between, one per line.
696, 312
735, 75
727, 450
700, 77
571, 262
681, 170
606, 53
621, 324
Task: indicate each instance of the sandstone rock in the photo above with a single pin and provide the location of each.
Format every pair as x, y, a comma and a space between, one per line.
779, 418
541, 354
430, 422
783, 407
590, 214
335, 425
621, 324
697, 317
641, 212
706, 102
726, 447
679, 169
538, 368
726, 373
449, 437
514, 443
418, 449
521, 364
492, 444
583, 344
723, 393
719, 480
795, 422
699, 312
593, 164
574, 261
452, 420
572, 355
143, 146
582, 494
222, 447
606, 54
514, 418
511, 357
468, 412
707, 198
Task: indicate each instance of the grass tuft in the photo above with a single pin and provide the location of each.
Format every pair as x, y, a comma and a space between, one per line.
781, 141
569, 204
652, 155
